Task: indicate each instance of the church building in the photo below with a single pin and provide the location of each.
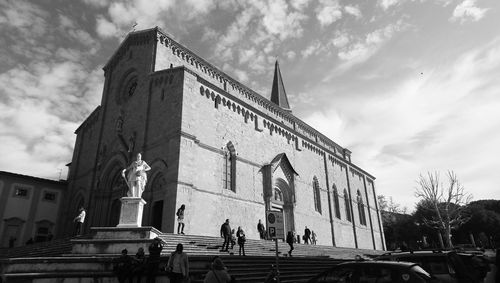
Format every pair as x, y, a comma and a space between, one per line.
218, 147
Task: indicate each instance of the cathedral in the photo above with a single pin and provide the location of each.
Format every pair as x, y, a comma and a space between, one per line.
216, 146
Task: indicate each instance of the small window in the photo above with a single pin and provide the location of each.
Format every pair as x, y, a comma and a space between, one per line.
49, 196
21, 192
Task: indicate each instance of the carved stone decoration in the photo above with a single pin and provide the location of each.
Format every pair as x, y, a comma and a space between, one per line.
119, 125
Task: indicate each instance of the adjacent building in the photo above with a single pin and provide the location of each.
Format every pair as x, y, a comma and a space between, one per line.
29, 208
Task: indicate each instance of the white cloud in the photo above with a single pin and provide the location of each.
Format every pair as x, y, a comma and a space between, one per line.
300, 4
360, 51
290, 55
328, 12
353, 10
467, 10
386, 4
312, 49
340, 40
97, 3
105, 28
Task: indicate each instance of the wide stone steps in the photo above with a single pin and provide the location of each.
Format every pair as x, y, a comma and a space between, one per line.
245, 269
206, 245
52, 248
53, 261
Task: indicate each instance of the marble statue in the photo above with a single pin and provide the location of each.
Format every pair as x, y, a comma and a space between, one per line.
136, 178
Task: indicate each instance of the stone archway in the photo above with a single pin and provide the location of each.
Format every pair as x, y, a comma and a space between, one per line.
279, 189
282, 200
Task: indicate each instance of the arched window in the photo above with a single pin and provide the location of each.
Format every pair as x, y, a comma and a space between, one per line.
230, 167
336, 202
347, 206
361, 209
317, 196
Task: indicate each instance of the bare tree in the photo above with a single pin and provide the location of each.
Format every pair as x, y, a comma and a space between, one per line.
388, 204
445, 202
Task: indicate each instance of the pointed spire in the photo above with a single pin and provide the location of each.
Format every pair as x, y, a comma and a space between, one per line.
278, 93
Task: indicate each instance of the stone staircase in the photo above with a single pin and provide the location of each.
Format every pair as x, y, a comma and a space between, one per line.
54, 262
206, 245
52, 248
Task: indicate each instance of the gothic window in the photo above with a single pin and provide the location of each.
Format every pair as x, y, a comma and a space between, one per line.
230, 167
361, 209
347, 206
336, 202
317, 196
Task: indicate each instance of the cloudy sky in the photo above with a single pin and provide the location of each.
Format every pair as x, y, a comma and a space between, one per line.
409, 86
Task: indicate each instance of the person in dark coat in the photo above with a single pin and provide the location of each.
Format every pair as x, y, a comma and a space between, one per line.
139, 264
123, 267
225, 232
241, 240
307, 235
261, 229
154, 259
290, 239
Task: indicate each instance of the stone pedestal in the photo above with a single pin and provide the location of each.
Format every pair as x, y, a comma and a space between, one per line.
131, 212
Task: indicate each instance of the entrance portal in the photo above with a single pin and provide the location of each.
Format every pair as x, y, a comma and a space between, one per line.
157, 214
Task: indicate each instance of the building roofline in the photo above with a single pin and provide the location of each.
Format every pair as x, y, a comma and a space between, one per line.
60, 182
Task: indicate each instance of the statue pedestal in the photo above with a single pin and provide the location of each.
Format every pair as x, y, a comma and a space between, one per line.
131, 212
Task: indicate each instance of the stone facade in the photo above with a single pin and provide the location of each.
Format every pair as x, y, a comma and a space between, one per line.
29, 208
216, 146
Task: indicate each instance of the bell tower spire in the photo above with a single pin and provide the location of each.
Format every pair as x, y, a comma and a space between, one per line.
278, 93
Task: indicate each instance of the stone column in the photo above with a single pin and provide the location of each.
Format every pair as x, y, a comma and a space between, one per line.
131, 212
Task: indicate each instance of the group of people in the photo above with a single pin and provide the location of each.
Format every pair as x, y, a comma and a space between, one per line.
309, 237
131, 269
229, 238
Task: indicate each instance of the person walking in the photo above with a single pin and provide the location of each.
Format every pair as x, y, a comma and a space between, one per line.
241, 240
313, 237
178, 265
218, 273
79, 219
225, 232
180, 219
262, 229
307, 235
290, 239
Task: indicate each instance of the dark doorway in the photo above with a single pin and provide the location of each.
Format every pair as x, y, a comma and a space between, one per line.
114, 218
157, 214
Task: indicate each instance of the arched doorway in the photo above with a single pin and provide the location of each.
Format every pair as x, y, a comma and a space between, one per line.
154, 197
118, 190
279, 190
282, 200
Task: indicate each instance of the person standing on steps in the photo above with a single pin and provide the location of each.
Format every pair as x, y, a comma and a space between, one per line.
313, 237
233, 239
290, 239
241, 240
225, 232
178, 265
180, 219
307, 235
79, 219
261, 229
